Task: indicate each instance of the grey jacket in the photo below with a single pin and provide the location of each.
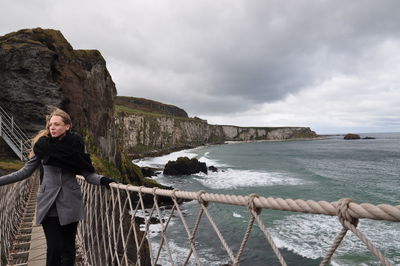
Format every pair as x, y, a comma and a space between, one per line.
58, 187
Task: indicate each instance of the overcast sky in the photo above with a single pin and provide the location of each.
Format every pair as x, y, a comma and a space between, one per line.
331, 65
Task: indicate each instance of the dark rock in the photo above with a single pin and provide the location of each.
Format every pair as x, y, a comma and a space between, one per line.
153, 220
212, 168
368, 138
149, 171
351, 136
184, 166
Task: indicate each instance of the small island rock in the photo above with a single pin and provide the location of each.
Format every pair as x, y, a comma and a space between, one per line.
352, 136
369, 138
184, 166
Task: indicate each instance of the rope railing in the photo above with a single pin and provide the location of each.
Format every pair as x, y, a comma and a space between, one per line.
118, 223
13, 200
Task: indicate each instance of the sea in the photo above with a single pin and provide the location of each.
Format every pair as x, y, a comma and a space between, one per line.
365, 170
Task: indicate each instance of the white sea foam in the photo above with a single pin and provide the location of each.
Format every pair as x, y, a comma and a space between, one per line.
159, 162
179, 254
311, 235
213, 162
237, 215
234, 178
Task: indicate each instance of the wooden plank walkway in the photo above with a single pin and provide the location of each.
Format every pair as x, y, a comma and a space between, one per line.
37, 249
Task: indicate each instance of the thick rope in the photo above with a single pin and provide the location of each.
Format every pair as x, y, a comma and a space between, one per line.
112, 245
358, 211
164, 237
255, 212
197, 223
343, 214
249, 227
189, 234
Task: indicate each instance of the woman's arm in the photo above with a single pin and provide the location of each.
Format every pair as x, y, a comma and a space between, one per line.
92, 177
23, 173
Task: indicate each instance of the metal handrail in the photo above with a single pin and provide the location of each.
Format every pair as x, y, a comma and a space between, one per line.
13, 135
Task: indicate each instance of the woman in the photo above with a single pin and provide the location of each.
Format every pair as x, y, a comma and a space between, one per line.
61, 155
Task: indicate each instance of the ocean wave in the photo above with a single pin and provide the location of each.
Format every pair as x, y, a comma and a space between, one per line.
237, 215
159, 162
179, 254
213, 162
234, 178
311, 236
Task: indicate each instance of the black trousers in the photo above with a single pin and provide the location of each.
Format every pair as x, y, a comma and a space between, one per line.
60, 242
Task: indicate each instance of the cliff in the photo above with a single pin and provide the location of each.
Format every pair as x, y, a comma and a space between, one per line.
39, 69
147, 134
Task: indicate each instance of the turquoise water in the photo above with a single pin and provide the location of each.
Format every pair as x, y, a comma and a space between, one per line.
330, 169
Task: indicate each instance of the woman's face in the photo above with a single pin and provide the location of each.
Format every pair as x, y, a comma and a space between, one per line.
57, 127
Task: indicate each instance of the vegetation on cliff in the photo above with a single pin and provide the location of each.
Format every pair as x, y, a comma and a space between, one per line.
150, 106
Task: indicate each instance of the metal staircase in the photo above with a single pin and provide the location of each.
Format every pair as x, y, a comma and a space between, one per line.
13, 135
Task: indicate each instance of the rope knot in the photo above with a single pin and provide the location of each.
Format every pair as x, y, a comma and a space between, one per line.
140, 189
250, 203
155, 196
344, 214
200, 199
173, 195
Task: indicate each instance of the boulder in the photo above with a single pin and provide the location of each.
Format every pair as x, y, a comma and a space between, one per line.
149, 171
351, 136
184, 166
212, 168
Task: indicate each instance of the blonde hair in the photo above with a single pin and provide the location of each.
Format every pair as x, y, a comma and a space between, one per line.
46, 132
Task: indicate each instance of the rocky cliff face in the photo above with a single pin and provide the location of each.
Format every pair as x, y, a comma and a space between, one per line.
146, 134
39, 68
233, 133
154, 134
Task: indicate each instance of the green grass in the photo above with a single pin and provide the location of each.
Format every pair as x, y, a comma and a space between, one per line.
10, 164
104, 167
128, 110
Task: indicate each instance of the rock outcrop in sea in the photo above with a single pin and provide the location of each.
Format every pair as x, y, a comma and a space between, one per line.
351, 136
185, 166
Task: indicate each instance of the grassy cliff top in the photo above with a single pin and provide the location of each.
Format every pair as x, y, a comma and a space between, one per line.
129, 110
150, 106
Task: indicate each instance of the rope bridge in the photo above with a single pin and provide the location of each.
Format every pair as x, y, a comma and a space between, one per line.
117, 228
13, 207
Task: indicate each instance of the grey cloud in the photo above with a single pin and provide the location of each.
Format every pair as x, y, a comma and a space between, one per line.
216, 57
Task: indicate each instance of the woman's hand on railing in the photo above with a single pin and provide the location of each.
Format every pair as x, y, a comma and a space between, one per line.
105, 181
